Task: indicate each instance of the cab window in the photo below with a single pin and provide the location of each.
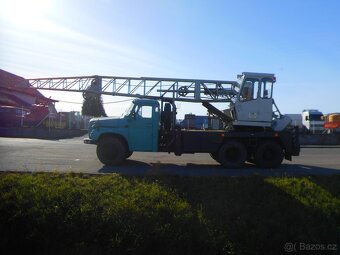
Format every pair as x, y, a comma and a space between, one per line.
249, 90
266, 88
145, 111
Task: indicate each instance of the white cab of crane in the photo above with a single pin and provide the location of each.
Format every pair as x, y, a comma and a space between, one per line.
254, 105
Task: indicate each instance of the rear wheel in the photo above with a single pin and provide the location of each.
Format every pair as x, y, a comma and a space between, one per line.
232, 154
111, 151
269, 154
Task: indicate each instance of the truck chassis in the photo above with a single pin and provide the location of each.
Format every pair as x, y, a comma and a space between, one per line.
233, 148
230, 148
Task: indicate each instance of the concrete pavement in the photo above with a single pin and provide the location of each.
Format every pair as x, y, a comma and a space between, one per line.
72, 155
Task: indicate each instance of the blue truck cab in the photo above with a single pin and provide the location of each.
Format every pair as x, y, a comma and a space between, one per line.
136, 130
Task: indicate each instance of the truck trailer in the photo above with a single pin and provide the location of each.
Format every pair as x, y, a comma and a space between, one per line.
254, 130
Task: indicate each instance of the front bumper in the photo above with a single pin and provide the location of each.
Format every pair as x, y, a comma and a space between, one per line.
89, 141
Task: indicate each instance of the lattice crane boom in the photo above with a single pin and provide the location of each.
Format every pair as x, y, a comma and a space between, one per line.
189, 90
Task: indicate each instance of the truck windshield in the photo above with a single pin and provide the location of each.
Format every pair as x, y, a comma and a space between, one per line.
315, 117
240, 80
128, 110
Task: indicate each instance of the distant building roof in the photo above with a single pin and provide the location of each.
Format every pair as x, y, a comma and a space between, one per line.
8, 79
12, 86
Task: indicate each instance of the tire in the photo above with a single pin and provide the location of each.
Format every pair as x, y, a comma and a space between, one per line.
269, 154
232, 154
111, 151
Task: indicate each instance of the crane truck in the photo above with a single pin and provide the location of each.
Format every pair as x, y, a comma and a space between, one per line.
254, 129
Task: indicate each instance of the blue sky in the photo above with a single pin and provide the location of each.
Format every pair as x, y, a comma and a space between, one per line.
297, 40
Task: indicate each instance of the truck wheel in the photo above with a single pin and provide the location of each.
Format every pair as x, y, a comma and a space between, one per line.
269, 154
232, 154
111, 151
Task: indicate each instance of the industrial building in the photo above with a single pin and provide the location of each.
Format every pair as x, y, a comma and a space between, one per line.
21, 104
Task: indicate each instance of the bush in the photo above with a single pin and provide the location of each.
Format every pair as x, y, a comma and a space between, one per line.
77, 214
111, 214
258, 215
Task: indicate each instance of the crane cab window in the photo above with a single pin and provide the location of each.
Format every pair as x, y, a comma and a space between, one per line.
266, 88
249, 90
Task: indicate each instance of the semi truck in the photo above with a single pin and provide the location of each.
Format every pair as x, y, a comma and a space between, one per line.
254, 130
313, 121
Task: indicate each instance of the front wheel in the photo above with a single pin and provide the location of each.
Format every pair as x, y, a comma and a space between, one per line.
269, 154
111, 151
232, 154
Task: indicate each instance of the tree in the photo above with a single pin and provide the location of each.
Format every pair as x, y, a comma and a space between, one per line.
93, 103
93, 106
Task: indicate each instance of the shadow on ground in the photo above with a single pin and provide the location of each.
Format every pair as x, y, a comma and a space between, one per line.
132, 167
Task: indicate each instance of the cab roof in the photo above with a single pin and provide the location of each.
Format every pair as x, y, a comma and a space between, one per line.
258, 74
150, 102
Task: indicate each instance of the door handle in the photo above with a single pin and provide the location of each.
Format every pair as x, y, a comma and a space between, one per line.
252, 115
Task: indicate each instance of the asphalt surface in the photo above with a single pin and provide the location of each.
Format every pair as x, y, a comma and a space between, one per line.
72, 155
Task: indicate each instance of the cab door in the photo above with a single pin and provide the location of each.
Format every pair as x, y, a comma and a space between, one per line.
141, 128
255, 103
